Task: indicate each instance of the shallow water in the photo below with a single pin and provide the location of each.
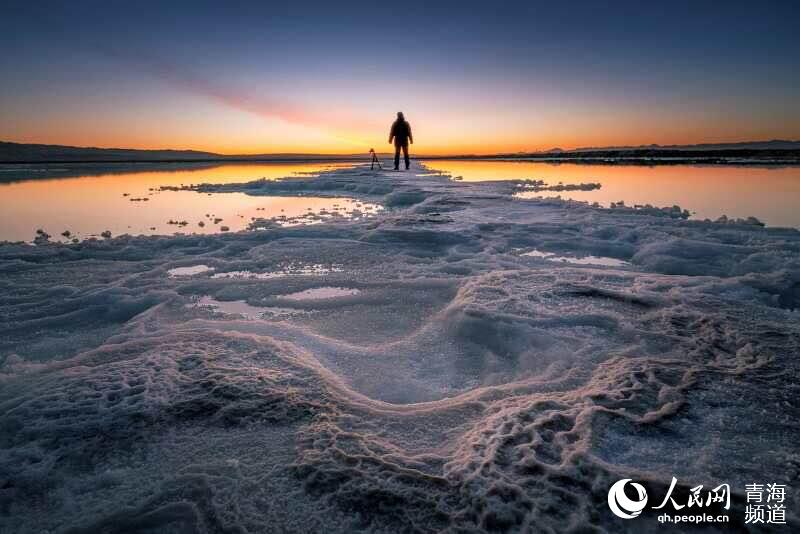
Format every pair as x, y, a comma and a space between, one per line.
326, 292
771, 194
128, 200
189, 271
585, 260
243, 309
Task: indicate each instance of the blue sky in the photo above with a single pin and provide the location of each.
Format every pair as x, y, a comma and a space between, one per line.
328, 77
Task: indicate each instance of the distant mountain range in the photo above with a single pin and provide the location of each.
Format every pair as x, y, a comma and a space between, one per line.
37, 153
774, 144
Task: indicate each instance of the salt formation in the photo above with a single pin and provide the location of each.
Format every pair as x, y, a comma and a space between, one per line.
461, 385
190, 270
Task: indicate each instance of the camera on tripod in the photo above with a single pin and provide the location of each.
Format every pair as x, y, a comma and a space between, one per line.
375, 160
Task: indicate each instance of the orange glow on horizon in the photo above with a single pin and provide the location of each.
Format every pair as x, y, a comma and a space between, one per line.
210, 127
346, 144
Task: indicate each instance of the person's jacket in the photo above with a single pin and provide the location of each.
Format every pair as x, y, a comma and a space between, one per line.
401, 133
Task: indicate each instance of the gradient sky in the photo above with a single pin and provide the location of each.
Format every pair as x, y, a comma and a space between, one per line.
328, 77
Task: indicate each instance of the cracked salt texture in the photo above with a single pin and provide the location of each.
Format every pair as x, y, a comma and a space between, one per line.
465, 387
291, 270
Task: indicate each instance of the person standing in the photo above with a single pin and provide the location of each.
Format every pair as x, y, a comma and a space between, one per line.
401, 134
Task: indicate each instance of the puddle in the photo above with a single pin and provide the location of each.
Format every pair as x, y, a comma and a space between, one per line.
538, 254
242, 308
317, 293
189, 271
585, 260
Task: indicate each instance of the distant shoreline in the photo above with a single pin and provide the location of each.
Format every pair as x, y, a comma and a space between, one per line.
310, 159
611, 157
758, 153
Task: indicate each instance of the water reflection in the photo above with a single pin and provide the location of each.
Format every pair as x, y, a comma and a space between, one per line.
130, 202
772, 194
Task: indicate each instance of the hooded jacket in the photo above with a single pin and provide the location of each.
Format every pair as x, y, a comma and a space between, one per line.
401, 131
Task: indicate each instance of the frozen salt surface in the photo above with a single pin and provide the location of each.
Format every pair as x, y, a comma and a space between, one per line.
585, 260
321, 293
190, 270
291, 270
466, 387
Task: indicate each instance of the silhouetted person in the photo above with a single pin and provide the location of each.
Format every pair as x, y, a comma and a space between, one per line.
401, 133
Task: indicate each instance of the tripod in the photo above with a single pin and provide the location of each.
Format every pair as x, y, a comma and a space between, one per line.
374, 160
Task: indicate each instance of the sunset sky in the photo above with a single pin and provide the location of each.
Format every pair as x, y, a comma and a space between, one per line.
328, 77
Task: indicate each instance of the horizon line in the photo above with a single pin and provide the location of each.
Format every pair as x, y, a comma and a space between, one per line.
555, 151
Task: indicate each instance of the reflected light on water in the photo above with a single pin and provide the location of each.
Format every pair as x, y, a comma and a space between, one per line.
772, 194
89, 204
